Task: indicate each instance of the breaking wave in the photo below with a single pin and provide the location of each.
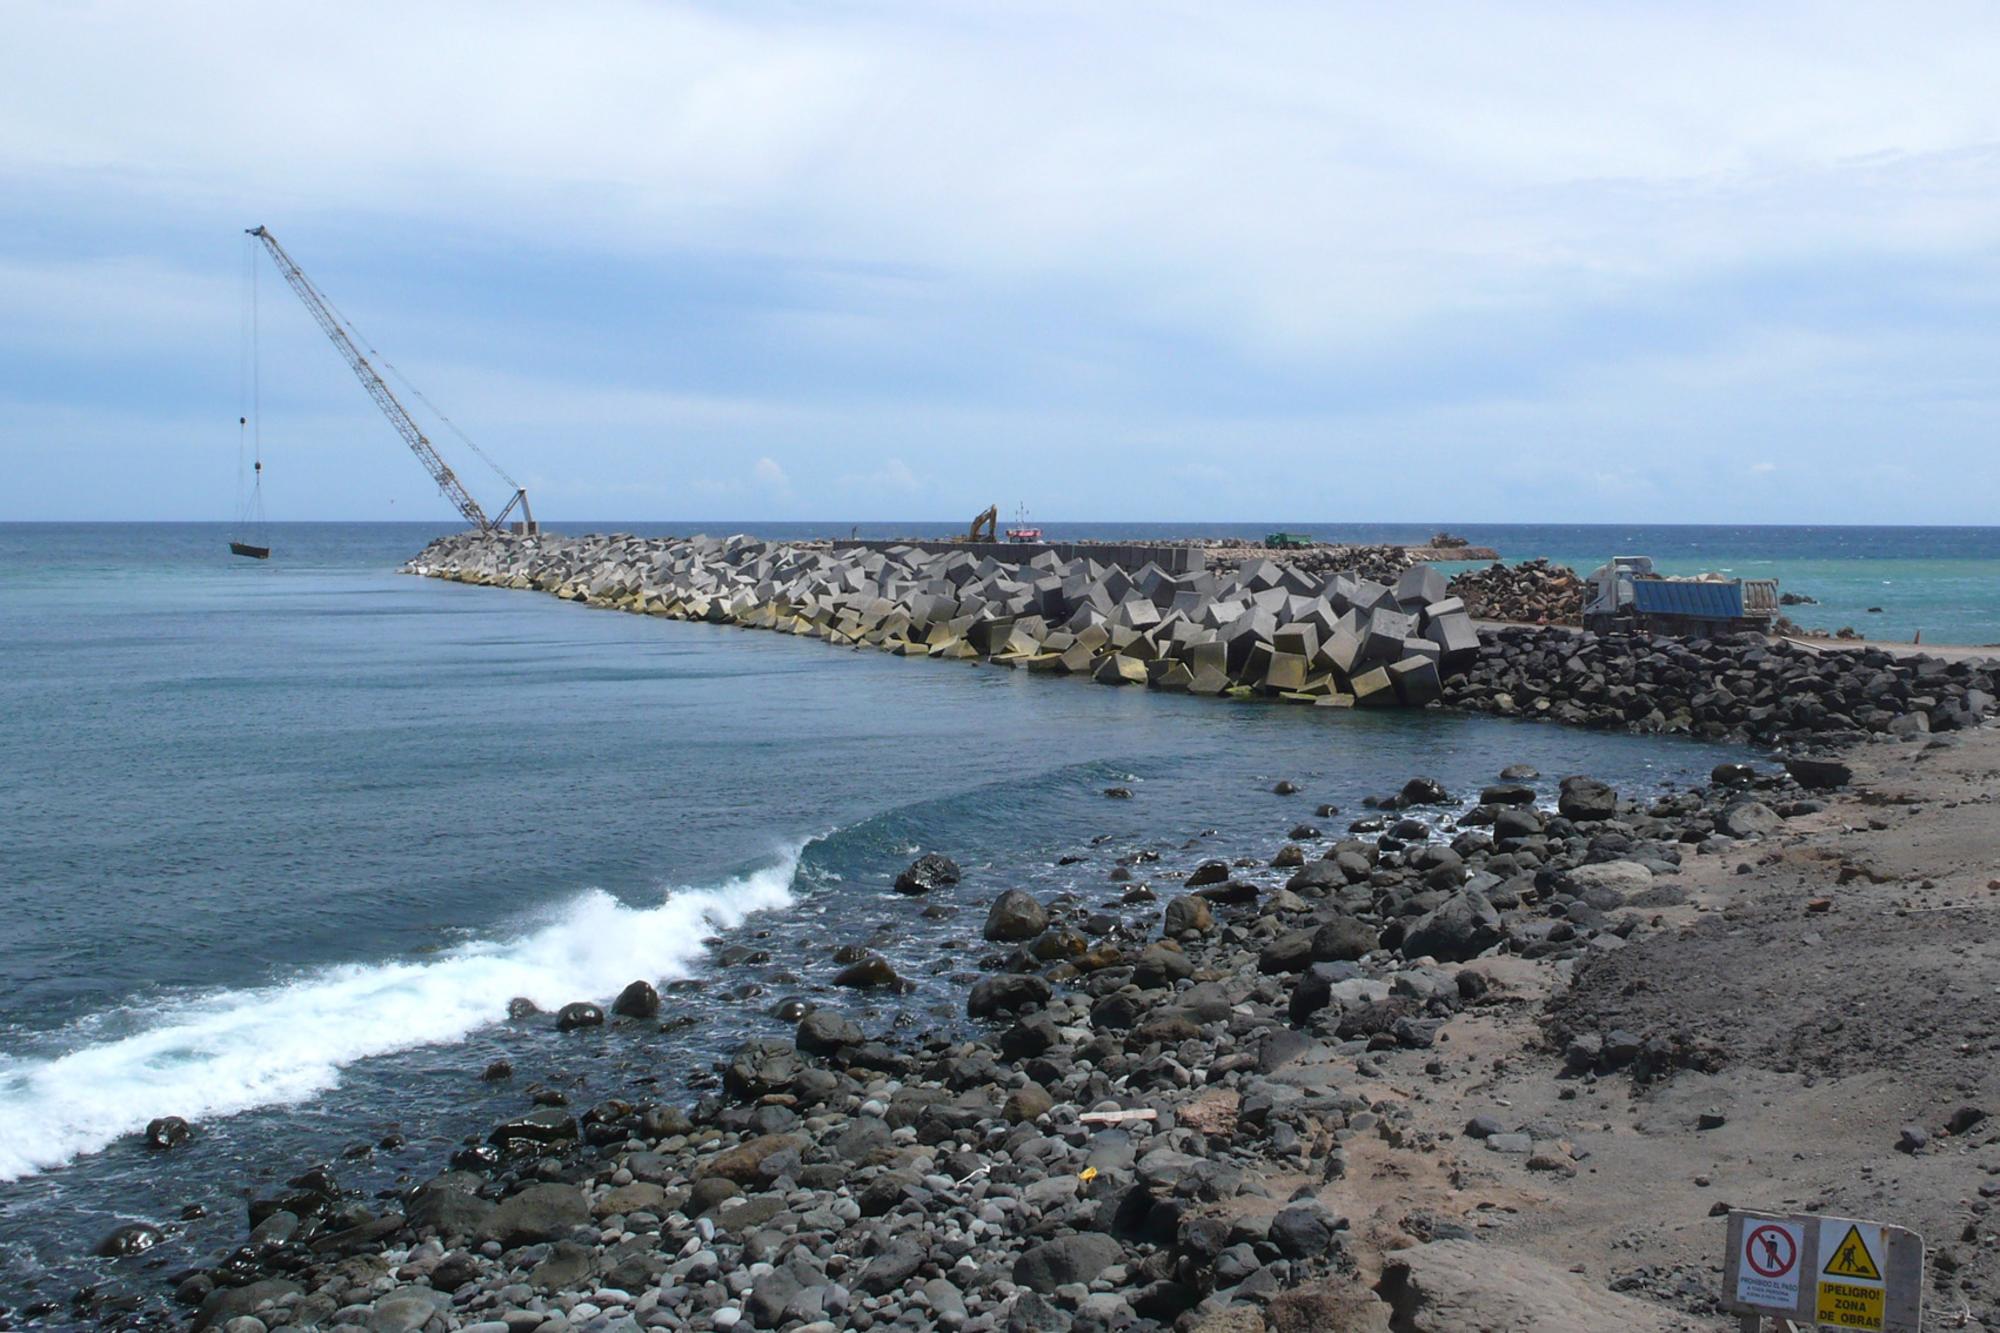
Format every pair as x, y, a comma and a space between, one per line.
279, 1045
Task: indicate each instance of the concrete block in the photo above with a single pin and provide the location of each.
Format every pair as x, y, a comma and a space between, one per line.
1457, 640
1117, 669
1298, 638
1285, 671
1173, 677
1373, 688
1416, 681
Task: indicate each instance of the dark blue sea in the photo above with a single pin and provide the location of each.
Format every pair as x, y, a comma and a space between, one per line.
279, 841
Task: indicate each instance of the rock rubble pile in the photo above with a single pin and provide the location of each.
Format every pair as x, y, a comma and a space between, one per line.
1138, 1126
1533, 592
1742, 688
1267, 628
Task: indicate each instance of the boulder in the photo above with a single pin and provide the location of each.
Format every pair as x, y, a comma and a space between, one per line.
638, 1000
1188, 915
1819, 774
927, 872
1747, 819
542, 1212
1068, 1260
1005, 994
824, 1032
1015, 916
867, 974
581, 1014
1460, 928
1342, 939
168, 1132
1586, 799
1449, 1286
130, 1239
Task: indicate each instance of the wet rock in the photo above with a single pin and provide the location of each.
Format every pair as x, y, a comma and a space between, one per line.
869, 973
1586, 800
927, 872
498, 1071
168, 1132
1284, 787
581, 1014
823, 1032
521, 1007
1208, 872
1015, 916
1423, 791
130, 1239
638, 1000
544, 1125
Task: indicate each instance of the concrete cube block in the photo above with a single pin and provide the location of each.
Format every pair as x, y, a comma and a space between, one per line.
1416, 681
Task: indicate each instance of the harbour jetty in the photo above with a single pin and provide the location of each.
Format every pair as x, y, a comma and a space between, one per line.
1265, 629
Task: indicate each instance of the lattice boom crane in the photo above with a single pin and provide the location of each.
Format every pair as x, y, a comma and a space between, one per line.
399, 417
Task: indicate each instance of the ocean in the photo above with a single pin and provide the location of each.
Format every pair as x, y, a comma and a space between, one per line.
280, 841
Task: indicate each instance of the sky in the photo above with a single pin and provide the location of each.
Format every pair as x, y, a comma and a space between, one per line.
848, 262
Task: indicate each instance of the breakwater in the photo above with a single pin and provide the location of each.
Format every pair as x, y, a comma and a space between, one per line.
1266, 628
1263, 630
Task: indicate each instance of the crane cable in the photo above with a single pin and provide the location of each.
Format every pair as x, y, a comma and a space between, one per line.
415, 392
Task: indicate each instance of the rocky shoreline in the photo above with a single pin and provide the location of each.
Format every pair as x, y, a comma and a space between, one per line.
1240, 1092
1153, 1119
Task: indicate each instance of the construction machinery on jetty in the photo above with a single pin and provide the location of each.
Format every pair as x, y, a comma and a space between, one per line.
340, 332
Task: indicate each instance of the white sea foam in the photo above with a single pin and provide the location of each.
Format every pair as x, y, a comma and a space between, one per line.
278, 1045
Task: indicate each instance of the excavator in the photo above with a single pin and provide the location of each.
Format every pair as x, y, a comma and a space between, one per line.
985, 523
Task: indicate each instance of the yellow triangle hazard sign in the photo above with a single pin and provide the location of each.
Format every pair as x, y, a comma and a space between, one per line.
1851, 1258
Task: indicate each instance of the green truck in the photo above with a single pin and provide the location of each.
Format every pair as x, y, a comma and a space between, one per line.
1287, 541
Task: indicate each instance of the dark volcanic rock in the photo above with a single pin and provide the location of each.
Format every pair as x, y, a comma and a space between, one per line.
1460, 928
927, 872
130, 1239
1586, 799
168, 1132
823, 1032
581, 1014
1015, 916
638, 1000
1058, 1263
1005, 995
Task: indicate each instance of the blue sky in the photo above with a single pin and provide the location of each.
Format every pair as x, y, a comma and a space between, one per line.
1533, 263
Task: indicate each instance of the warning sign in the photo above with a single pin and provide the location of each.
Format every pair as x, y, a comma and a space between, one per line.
1769, 1273
1852, 1258
1852, 1293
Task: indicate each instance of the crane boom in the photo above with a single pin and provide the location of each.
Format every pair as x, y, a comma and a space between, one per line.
399, 416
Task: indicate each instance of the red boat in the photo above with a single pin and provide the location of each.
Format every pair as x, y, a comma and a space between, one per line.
1021, 532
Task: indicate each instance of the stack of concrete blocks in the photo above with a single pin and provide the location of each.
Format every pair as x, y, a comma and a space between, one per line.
1265, 629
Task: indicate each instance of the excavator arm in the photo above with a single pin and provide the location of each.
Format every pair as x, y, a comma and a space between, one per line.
985, 523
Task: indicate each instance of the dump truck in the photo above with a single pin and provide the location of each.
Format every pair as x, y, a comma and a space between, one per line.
1629, 594
1287, 541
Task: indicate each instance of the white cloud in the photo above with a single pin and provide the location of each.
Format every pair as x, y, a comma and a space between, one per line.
770, 475
1763, 469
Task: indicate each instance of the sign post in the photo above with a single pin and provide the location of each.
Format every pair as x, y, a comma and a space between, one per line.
1835, 1272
